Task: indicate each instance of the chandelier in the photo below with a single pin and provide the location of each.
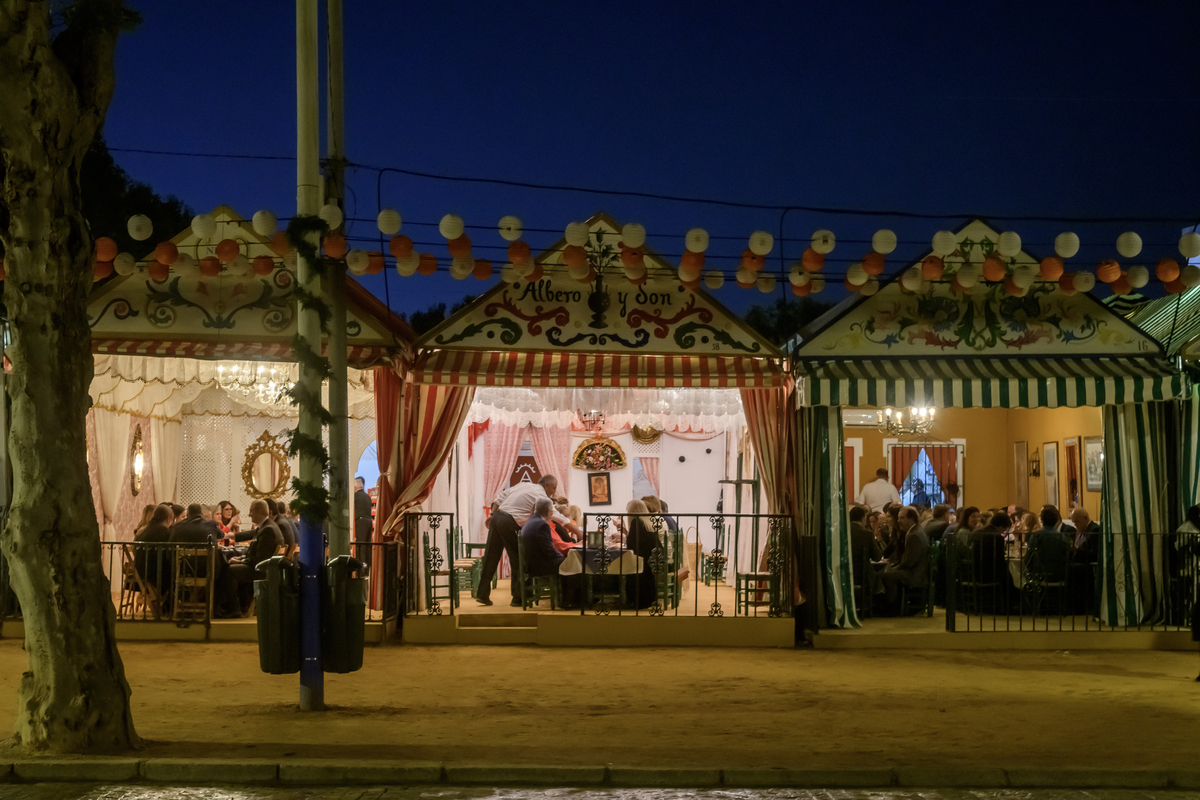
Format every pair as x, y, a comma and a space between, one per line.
919, 421
267, 386
592, 421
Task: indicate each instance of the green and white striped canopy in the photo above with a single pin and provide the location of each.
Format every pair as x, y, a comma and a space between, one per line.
987, 382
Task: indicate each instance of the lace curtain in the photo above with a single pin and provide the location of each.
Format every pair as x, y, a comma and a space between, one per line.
694, 410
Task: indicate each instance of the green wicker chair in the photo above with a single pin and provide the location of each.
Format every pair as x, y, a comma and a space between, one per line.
536, 587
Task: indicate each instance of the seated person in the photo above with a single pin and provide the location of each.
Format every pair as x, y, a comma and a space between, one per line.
642, 541
227, 518
1087, 536
537, 540
267, 541
1048, 549
864, 546
912, 571
195, 529
154, 562
291, 534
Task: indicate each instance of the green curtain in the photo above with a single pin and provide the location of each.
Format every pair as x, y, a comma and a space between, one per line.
824, 511
1189, 450
1134, 502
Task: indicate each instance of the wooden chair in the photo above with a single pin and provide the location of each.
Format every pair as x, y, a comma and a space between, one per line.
666, 581
749, 586
975, 585
914, 599
193, 585
1044, 582
137, 594
536, 587
465, 568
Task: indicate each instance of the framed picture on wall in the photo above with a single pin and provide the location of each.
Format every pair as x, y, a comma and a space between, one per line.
1093, 462
1050, 472
1072, 469
1021, 474
599, 489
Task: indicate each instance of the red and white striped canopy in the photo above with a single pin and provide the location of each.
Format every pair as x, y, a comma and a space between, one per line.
357, 357
490, 368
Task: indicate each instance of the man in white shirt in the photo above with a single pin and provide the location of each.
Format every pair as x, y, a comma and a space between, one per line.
879, 492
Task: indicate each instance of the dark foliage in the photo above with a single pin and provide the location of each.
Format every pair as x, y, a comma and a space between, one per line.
782, 320
430, 318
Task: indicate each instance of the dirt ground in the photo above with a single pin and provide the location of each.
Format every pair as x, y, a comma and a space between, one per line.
672, 707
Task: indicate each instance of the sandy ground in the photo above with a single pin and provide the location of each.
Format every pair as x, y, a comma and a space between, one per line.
664, 707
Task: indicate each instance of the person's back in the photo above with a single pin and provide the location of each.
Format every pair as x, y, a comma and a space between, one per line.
1047, 553
537, 542
863, 545
916, 555
878, 492
153, 560
987, 549
194, 529
267, 541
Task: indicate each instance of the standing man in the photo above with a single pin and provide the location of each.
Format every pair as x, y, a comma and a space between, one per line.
363, 525
879, 492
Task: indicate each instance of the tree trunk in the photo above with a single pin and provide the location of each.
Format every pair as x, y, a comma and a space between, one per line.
53, 97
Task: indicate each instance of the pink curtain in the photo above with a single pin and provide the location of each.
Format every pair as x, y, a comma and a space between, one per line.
552, 451
499, 458
650, 467
387, 432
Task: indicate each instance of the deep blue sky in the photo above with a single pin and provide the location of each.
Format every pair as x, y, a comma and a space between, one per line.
984, 108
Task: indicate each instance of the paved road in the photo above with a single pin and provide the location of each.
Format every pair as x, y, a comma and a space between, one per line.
77, 791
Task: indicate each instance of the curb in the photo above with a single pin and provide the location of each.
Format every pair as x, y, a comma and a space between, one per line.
316, 772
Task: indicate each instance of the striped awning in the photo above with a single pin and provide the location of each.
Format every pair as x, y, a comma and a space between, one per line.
357, 357
568, 369
987, 382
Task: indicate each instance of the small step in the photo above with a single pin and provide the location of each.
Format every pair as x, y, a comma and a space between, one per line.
513, 620
497, 635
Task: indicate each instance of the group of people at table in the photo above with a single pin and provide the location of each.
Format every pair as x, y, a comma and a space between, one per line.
528, 516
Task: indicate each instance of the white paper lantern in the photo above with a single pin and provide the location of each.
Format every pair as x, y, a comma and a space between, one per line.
713, 279
1189, 276
856, 275
510, 228
968, 275
1138, 276
508, 273
634, 273
577, 234
451, 226
140, 227
816, 285
796, 274
761, 243
265, 223
746, 277
290, 259
407, 266
524, 270
357, 261
823, 241
1024, 275
688, 275
388, 221
911, 279
204, 226
1084, 281
883, 242
580, 271
1189, 244
1009, 244
766, 283
461, 267
240, 267
185, 263
1066, 245
1129, 244
944, 243
696, 240
633, 234
870, 286
332, 215
124, 264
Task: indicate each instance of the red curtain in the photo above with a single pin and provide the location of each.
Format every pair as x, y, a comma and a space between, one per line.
650, 467
944, 459
387, 430
903, 458
772, 427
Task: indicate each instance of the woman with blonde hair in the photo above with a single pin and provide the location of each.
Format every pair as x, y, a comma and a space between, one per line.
639, 538
147, 515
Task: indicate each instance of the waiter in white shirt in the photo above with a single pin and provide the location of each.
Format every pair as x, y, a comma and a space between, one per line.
879, 492
511, 509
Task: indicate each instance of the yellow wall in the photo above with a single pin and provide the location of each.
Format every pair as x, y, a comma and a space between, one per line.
988, 458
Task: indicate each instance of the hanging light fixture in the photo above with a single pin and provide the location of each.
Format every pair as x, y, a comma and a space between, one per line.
267, 386
592, 421
918, 423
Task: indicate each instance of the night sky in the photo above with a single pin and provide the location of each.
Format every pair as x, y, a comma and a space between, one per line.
983, 109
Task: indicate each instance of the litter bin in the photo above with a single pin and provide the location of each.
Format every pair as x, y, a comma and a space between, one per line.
277, 604
343, 615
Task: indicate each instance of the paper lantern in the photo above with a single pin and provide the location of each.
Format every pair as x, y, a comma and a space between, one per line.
1009, 244
483, 269
159, 272
140, 227
752, 261
688, 275
204, 226
874, 263
427, 265
746, 278
633, 234
632, 257
375, 262
166, 253
1066, 283
406, 266
264, 223
1011, 287
800, 278
1167, 270
634, 273
855, 275
766, 283
957, 287
968, 275
944, 243
870, 287
535, 274
911, 279
459, 246
356, 261
1084, 281
451, 226
932, 268
883, 242
850, 287
574, 255
691, 261
816, 285
795, 272
210, 266
335, 245
1173, 287
227, 250
691, 285
1129, 244
1189, 244
241, 267
823, 241
332, 215
696, 240
577, 271
577, 234
1121, 286
102, 270
524, 269
185, 263
263, 265
510, 228
812, 260
1138, 276
518, 252
1189, 276
1066, 245
713, 279
461, 267
290, 259
761, 243
106, 249
124, 264
1108, 270
1051, 268
994, 269
388, 221
279, 244
400, 246
588, 277
640, 280
1024, 275
801, 291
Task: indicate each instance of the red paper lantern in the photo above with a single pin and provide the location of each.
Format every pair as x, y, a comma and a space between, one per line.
106, 249
993, 269
1121, 285
227, 250
752, 260
374, 262
518, 252
874, 263
574, 255
160, 272
536, 275
263, 265
955, 286
1011, 287
692, 262
400, 246
812, 261
1167, 270
279, 244
932, 268
1067, 282
103, 269
483, 269
691, 285
851, 287
798, 290
1108, 270
633, 257
1173, 287
167, 253
210, 266
591, 276
1051, 268
460, 246
428, 264
335, 246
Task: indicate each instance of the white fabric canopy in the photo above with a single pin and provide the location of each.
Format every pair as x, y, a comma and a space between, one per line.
698, 410
112, 444
166, 445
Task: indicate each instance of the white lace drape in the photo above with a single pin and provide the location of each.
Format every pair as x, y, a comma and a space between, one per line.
112, 445
695, 410
166, 438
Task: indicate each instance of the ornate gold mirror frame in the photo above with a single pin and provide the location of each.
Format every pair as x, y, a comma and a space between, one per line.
137, 462
266, 444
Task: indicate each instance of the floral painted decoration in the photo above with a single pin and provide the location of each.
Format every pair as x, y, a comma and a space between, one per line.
598, 455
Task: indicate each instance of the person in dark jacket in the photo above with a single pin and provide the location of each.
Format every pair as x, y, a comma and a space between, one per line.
912, 571
267, 541
154, 561
643, 591
194, 529
541, 557
283, 522
863, 547
363, 524
1048, 550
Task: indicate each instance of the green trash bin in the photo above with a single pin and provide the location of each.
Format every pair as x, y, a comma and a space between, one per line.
277, 605
343, 615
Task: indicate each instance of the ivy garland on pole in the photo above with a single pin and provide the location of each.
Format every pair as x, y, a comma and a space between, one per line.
311, 500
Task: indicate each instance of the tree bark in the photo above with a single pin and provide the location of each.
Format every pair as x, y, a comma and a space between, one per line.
54, 93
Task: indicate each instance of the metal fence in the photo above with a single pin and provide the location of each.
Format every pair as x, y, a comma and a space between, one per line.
1046, 584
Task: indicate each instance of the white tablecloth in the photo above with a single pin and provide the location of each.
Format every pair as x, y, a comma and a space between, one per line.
627, 563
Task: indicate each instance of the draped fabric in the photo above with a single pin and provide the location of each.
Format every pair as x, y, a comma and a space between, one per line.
944, 460
166, 450
552, 451
1189, 450
112, 446
650, 467
903, 458
1134, 502
823, 513
771, 429
500, 456
387, 435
